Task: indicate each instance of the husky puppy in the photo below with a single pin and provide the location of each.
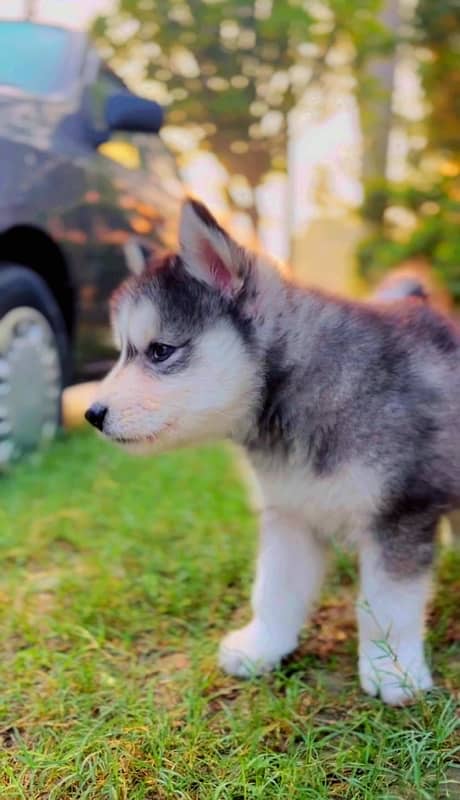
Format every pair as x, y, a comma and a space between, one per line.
348, 413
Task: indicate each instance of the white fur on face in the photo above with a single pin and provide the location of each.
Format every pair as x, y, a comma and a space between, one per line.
137, 323
207, 399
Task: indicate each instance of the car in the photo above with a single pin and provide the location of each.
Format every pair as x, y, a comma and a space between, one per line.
87, 189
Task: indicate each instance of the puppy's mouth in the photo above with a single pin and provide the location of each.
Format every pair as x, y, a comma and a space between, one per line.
138, 440
147, 439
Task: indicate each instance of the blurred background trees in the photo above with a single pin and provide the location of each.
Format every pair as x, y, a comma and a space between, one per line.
230, 71
417, 220
233, 74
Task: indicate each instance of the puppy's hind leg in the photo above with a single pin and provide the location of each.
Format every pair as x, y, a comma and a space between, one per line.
290, 571
391, 620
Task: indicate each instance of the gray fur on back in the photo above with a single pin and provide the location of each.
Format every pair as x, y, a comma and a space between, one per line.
347, 381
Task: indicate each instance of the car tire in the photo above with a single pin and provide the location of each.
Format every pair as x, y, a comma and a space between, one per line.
34, 358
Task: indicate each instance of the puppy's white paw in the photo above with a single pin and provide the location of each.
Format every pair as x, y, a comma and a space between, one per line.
252, 650
395, 685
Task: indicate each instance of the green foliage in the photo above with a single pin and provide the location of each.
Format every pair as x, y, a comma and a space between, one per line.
433, 236
437, 28
433, 196
119, 577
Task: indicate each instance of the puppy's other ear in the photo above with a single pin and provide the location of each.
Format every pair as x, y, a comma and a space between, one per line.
208, 252
138, 254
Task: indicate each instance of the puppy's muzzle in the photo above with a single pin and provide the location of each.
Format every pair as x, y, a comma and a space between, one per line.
96, 415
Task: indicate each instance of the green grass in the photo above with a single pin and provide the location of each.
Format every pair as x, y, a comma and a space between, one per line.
118, 578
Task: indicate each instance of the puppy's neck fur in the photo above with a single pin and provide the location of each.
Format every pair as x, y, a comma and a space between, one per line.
285, 318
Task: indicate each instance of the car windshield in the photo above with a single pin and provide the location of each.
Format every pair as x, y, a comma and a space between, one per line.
32, 57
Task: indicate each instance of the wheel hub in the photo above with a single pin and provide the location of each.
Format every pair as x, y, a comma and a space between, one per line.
30, 382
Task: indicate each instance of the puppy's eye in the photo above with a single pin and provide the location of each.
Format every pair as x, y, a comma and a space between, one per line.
157, 352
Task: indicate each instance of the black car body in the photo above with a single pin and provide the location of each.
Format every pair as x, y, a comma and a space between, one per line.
83, 176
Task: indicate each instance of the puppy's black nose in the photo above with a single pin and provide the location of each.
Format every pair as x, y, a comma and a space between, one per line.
96, 415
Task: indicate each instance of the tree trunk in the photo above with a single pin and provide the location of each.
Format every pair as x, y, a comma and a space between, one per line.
376, 115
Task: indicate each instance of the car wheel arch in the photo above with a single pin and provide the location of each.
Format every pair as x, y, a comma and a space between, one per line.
31, 247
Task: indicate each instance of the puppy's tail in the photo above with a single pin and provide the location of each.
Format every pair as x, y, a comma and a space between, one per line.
401, 285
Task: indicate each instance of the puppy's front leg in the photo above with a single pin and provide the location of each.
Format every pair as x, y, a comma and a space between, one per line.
290, 570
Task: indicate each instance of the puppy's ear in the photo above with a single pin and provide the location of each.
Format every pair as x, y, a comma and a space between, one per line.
208, 252
138, 254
